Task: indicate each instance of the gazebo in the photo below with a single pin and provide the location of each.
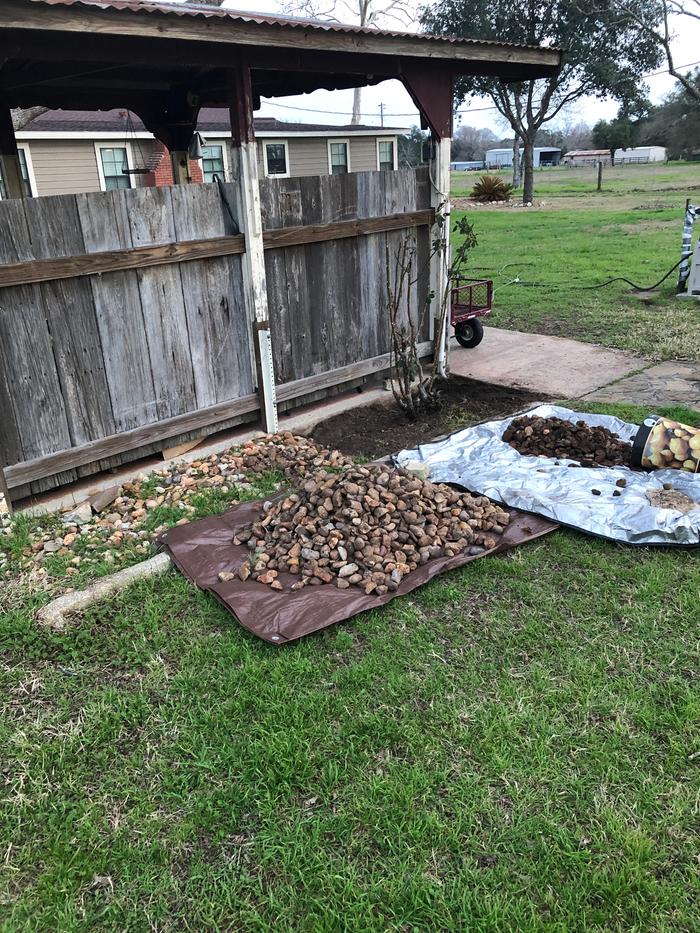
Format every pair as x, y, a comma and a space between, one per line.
164, 61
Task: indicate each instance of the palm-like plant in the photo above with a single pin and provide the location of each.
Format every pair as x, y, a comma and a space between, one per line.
491, 188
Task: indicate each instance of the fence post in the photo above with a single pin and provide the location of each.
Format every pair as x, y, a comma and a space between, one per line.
10, 170
440, 261
245, 169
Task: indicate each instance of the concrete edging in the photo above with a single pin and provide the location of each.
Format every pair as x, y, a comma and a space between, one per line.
54, 613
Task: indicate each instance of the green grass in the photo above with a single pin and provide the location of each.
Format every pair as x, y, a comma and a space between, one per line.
512, 747
574, 238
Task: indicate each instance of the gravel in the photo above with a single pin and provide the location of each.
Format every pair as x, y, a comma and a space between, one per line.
365, 526
556, 438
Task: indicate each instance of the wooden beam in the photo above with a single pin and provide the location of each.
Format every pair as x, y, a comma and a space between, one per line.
69, 267
30, 470
342, 229
141, 257
334, 377
16, 14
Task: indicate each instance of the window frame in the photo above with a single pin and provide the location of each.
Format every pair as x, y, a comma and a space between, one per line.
223, 145
334, 140
276, 142
31, 178
393, 141
24, 148
113, 144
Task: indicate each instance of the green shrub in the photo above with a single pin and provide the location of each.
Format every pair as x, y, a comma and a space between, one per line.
491, 188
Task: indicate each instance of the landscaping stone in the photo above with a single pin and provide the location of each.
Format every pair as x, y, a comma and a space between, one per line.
554, 437
366, 526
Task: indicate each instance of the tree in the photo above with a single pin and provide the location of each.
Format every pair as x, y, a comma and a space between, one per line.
411, 147
675, 123
360, 12
606, 55
470, 143
654, 19
620, 133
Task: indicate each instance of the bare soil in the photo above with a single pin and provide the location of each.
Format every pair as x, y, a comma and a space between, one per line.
381, 428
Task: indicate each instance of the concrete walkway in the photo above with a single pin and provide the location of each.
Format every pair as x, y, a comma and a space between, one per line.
668, 383
553, 366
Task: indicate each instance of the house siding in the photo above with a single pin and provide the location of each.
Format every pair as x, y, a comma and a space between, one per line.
64, 167
70, 166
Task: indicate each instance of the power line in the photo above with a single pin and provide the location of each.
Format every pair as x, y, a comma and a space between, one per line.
468, 110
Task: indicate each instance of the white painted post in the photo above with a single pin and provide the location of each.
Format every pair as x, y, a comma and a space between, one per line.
440, 262
245, 170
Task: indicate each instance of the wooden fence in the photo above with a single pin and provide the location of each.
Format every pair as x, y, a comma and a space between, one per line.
123, 326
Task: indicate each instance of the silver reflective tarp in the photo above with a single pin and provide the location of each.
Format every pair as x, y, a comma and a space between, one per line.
479, 460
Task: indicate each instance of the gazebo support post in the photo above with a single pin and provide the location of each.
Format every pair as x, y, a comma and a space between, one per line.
9, 157
431, 90
244, 169
440, 263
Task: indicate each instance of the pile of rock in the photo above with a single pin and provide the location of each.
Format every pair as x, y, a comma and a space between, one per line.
132, 514
365, 526
294, 456
553, 437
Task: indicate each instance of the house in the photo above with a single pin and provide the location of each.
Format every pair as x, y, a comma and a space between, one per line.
503, 158
71, 151
586, 157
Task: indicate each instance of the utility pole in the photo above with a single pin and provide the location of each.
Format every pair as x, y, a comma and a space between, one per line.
381, 114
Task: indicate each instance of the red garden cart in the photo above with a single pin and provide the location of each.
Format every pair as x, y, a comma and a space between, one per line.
470, 300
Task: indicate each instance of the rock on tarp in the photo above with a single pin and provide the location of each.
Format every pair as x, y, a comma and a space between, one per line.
477, 459
203, 549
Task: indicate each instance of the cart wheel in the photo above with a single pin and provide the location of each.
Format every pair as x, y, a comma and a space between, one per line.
469, 333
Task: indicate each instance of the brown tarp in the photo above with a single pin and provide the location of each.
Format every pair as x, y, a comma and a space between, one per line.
203, 549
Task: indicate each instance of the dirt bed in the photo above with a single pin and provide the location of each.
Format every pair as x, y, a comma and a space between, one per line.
380, 429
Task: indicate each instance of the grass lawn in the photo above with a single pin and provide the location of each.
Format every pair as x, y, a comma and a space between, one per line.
512, 747
580, 239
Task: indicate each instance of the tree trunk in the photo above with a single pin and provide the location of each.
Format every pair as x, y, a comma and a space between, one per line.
356, 106
612, 157
516, 162
528, 170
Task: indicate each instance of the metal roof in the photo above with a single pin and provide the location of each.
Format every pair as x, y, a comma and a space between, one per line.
291, 22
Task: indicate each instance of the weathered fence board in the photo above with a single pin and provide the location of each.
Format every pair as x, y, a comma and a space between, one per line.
129, 329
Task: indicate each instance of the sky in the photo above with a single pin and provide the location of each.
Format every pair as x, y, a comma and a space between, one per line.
335, 107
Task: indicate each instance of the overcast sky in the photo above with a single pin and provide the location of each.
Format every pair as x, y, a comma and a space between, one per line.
336, 106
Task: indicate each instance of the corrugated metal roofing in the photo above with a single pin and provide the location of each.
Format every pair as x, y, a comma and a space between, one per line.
291, 22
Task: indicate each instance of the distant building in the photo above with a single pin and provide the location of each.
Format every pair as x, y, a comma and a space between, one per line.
587, 157
622, 156
640, 154
473, 166
503, 158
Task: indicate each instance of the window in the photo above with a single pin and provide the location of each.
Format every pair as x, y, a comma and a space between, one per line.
277, 158
213, 163
27, 173
26, 184
111, 162
338, 156
386, 155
